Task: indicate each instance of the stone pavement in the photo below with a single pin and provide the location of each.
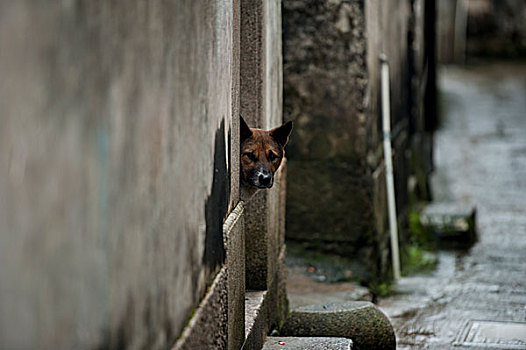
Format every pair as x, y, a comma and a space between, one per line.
476, 298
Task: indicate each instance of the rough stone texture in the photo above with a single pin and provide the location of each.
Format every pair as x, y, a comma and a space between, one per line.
219, 321
361, 321
266, 310
208, 327
261, 63
338, 216
257, 242
325, 77
311, 343
256, 319
234, 120
265, 233
114, 168
324, 90
261, 107
332, 92
234, 233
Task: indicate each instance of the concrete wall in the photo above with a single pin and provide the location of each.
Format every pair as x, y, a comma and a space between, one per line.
325, 79
495, 28
118, 158
332, 91
261, 106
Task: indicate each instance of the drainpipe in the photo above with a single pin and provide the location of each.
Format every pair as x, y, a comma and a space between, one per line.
388, 158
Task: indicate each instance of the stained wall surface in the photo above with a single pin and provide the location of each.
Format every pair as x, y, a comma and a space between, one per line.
332, 91
114, 168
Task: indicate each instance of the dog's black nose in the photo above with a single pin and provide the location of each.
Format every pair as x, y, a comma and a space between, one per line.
264, 179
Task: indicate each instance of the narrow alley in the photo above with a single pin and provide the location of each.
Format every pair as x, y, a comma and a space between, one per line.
477, 298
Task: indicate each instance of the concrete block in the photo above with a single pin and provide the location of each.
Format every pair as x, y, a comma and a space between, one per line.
115, 168
361, 321
263, 224
256, 325
302, 343
337, 216
207, 328
276, 303
453, 224
234, 233
265, 310
256, 242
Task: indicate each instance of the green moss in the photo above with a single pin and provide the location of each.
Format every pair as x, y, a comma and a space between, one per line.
418, 255
382, 290
418, 260
192, 313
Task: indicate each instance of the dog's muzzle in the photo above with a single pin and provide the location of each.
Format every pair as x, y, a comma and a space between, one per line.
261, 178
265, 180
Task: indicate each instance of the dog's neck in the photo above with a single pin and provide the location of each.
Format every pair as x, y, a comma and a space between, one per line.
246, 192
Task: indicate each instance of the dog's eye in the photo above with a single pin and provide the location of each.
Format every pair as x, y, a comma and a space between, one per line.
272, 156
250, 155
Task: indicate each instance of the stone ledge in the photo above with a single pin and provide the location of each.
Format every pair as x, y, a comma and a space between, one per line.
234, 235
253, 308
207, 329
361, 321
311, 343
255, 319
453, 224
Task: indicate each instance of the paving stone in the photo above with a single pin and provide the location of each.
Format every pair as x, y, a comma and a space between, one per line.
311, 343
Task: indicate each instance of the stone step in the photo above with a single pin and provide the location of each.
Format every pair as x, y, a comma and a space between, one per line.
361, 321
452, 223
310, 343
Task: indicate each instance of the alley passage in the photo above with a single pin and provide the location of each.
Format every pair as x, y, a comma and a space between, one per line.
480, 160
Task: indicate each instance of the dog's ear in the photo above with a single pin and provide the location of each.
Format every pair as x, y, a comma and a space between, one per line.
282, 133
244, 130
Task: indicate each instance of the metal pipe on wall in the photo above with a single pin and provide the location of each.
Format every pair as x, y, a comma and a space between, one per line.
388, 157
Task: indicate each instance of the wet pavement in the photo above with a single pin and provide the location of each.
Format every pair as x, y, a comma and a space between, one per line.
475, 299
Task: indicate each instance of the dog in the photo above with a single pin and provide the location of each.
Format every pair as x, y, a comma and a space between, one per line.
261, 154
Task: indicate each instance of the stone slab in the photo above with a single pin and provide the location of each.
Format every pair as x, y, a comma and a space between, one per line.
361, 321
493, 335
302, 343
451, 222
256, 317
208, 328
234, 234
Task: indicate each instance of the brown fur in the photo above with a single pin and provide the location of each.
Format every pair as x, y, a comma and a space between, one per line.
261, 155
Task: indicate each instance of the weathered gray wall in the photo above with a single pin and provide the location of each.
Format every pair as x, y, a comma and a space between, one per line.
481, 28
325, 77
114, 168
261, 106
332, 91
496, 27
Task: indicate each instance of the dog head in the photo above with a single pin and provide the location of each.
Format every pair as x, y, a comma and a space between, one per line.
261, 153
